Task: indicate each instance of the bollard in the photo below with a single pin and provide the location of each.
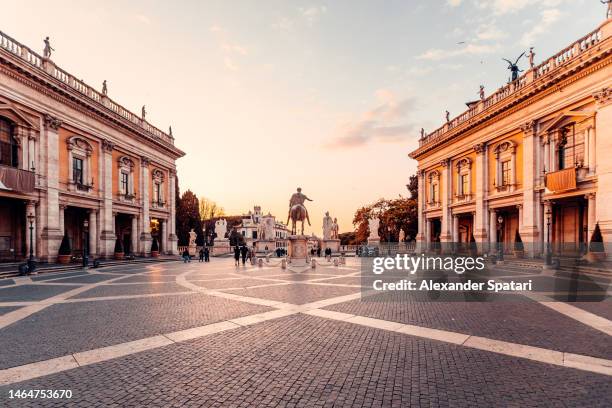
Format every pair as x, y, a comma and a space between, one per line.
260, 262
313, 263
335, 261
284, 264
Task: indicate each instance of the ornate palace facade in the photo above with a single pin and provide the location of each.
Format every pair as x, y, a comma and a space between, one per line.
72, 161
533, 157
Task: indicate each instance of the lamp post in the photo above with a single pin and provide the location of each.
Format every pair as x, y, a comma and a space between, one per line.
31, 262
85, 243
388, 239
500, 221
548, 249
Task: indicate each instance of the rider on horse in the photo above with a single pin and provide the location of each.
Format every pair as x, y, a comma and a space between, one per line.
298, 199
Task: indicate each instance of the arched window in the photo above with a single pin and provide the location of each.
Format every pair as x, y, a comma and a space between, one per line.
158, 189
126, 179
505, 169
434, 188
9, 149
464, 179
79, 164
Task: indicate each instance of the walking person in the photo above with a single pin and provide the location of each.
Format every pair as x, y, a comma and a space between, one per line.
244, 251
186, 257
206, 254
236, 255
201, 258
318, 252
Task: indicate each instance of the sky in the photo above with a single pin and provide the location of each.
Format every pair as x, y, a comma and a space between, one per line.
266, 96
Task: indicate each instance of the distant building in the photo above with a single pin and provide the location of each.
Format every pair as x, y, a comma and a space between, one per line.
254, 221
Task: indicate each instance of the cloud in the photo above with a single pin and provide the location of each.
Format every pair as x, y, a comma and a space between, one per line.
283, 24
436, 54
454, 3
313, 13
230, 49
549, 17
384, 123
501, 7
489, 31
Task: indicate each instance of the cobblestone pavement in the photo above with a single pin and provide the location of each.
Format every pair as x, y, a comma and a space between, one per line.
213, 334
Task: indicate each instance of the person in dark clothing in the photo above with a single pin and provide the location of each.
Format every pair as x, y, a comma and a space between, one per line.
201, 253
318, 252
278, 252
236, 255
186, 256
244, 251
206, 254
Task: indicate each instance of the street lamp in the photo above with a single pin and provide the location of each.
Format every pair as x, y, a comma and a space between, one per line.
31, 263
85, 243
500, 221
388, 239
548, 249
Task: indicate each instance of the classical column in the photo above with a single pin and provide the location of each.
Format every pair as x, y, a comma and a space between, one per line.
421, 206
492, 230
31, 165
603, 164
520, 216
172, 238
107, 224
145, 236
592, 156
30, 210
480, 218
93, 233
455, 228
62, 208
134, 235
548, 224
51, 236
591, 220
528, 211
164, 236
446, 197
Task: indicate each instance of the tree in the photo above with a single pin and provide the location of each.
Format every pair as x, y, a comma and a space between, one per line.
348, 238
395, 214
413, 187
210, 209
187, 218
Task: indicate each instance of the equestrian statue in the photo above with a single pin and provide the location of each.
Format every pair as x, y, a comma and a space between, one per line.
297, 211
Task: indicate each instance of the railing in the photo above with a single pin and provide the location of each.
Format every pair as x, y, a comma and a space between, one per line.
18, 180
561, 180
561, 58
14, 47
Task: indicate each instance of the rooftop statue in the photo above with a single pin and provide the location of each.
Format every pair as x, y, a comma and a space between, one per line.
447, 116
297, 210
143, 112
609, 12
481, 92
47, 50
104, 88
531, 56
422, 133
513, 67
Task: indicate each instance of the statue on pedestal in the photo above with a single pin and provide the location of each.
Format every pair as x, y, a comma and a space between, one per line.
531, 56
221, 228
143, 112
327, 226
402, 235
104, 88
297, 210
373, 225
513, 67
335, 229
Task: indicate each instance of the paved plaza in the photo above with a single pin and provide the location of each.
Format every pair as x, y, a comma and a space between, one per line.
213, 334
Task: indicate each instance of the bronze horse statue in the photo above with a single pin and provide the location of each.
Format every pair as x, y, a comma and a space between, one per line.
297, 213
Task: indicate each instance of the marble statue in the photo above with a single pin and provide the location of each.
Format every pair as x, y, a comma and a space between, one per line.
170, 130
143, 112
373, 225
531, 56
609, 12
422, 133
104, 88
402, 235
221, 228
261, 231
447, 115
297, 210
192, 238
47, 50
335, 229
269, 226
481, 92
327, 226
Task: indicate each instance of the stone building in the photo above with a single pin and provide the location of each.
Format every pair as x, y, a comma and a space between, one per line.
255, 221
533, 157
73, 161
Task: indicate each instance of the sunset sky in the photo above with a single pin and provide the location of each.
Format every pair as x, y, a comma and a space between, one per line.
266, 96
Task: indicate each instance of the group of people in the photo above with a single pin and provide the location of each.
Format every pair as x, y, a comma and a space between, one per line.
243, 252
327, 252
204, 255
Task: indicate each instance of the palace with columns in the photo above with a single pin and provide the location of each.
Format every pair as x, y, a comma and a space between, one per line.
533, 157
74, 162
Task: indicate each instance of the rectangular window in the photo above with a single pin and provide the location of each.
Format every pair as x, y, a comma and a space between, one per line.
125, 184
464, 184
157, 193
434, 193
77, 170
506, 173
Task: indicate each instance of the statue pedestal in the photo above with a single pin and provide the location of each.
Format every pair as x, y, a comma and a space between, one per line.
374, 241
298, 250
333, 244
262, 244
221, 247
192, 249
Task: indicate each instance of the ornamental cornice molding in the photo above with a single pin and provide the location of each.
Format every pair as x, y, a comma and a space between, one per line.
107, 145
511, 106
51, 122
480, 148
529, 127
85, 107
603, 97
